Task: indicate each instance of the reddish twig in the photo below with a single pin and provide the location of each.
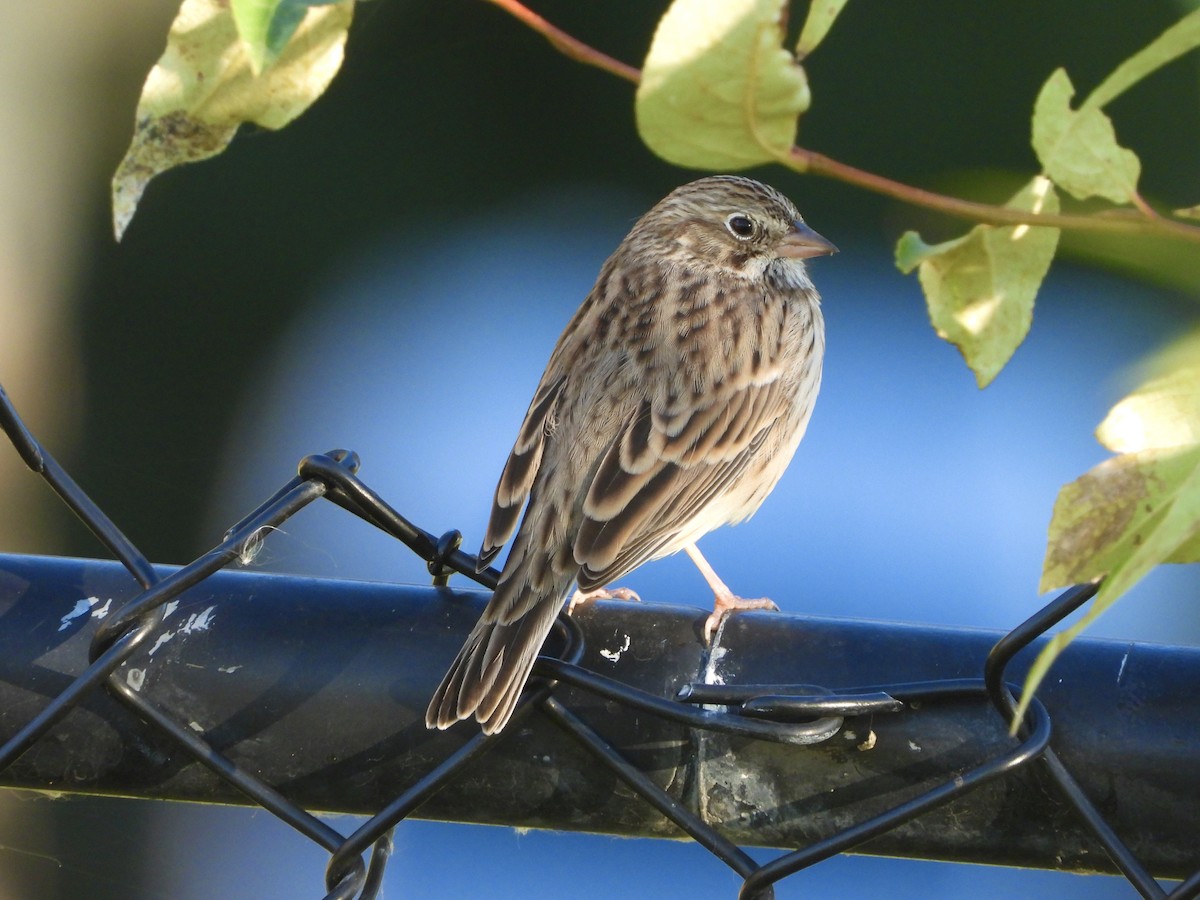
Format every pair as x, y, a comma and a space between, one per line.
566, 44
1114, 222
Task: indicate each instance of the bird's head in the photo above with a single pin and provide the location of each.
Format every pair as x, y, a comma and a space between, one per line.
731, 226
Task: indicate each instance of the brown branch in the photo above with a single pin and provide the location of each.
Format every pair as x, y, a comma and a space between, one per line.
1113, 223
1149, 223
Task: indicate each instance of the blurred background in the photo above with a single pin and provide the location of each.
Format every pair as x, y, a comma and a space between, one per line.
389, 274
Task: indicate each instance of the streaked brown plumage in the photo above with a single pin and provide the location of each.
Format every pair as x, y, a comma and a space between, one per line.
671, 405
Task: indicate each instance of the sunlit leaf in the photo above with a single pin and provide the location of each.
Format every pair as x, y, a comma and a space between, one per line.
1191, 212
821, 16
1136, 510
1078, 148
203, 87
1164, 412
980, 288
718, 90
1100, 518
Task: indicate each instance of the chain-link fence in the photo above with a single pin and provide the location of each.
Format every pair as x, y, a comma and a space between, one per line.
1031, 807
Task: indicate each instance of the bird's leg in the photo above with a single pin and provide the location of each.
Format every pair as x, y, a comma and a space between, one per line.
724, 600
601, 594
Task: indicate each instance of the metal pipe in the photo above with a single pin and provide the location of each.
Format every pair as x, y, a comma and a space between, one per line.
319, 687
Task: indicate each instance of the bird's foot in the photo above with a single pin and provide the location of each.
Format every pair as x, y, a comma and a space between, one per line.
724, 604
601, 594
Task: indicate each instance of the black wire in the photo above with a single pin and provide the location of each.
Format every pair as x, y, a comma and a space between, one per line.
1018, 756
1187, 890
41, 462
782, 732
456, 763
998, 659
794, 714
688, 822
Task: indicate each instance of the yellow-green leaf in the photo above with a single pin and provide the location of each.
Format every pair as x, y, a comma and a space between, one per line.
980, 288
1190, 212
1163, 413
1120, 520
1106, 518
1177, 40
821, 16
1136, 510
203, 87
718, 90
1078, 148
1100, 518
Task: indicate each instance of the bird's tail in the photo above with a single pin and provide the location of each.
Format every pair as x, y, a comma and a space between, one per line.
487, 677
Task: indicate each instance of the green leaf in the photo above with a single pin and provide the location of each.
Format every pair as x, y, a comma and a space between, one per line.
718, 90
1104, 521
821, 16
265, 27
1078, 148
980, 288
1102, 516
1190, 212
1136, 510
911, 251
1121, 519
1164, 413
204, 87
1177, 40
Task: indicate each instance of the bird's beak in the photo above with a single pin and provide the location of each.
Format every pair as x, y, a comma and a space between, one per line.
801, 242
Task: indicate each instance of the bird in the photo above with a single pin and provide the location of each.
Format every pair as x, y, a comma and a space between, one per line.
670, 406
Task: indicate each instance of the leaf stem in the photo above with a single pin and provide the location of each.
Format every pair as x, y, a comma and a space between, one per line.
1148, 223
1143, 207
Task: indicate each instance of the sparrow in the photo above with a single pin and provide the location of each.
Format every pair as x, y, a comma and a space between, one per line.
671, 405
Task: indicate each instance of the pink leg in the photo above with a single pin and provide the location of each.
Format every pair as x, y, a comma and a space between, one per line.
724, 600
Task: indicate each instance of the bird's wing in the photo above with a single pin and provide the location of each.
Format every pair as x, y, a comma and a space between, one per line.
669, 461
521, 468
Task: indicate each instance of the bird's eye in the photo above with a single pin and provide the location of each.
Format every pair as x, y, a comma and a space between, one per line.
740, 226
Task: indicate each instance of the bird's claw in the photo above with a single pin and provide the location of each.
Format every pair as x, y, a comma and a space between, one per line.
601, 594
726, 605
